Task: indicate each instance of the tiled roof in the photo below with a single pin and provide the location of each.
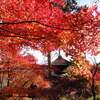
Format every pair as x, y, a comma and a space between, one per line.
60, 61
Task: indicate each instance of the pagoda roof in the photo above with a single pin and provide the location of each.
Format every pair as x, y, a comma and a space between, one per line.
60, 61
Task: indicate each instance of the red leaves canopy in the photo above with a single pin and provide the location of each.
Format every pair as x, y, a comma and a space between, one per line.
39, 24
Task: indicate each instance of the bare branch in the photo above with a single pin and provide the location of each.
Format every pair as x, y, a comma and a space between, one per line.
38, 22
22, 36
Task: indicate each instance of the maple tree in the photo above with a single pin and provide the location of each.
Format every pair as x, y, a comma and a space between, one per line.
45, 27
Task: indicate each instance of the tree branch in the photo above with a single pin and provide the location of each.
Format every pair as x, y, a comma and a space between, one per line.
21, 36
38, 22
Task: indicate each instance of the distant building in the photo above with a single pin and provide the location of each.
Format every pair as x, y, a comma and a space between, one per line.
60, 65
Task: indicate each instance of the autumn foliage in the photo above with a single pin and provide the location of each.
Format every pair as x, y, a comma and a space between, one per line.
45, 27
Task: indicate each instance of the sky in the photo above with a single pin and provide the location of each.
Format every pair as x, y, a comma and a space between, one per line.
89, 3
85, 2
54, 55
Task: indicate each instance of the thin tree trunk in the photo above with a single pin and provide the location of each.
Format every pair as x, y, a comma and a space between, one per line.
8, 77
93, 80
49, 64
49, 59
93, 89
